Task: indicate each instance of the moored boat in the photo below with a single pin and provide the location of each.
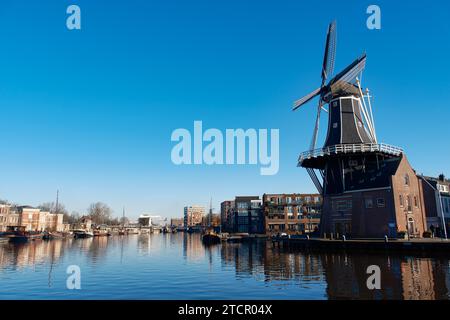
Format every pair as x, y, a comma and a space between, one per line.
54, 235
210, 237
20, 236
81, 233
101, 233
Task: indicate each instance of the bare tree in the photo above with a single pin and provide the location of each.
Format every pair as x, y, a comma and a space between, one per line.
59, 209
100, 213
72, 218
124, 221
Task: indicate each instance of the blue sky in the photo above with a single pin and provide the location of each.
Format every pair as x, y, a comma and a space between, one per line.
91, 112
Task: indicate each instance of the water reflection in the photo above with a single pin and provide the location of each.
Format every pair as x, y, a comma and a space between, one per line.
402, 277
269, 270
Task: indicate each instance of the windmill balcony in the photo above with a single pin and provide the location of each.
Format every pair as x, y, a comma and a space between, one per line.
348, 149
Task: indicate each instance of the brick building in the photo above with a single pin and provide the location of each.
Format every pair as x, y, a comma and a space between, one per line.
392, 203
32, 219
291, 213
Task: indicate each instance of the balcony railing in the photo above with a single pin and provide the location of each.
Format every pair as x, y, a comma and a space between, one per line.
349, 148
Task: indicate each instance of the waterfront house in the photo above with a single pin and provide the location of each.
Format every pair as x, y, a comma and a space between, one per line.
9, 218
85, 223
436, 195
32, 219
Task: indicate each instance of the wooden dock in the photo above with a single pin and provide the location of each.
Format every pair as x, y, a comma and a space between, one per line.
441, 246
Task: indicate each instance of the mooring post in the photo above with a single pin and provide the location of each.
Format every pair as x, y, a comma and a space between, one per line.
386, 238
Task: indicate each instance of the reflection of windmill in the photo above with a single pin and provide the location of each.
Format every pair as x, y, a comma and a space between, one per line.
351, 159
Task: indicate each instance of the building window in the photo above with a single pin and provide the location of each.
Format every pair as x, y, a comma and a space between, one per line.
343, 205
369, 203
408, 203
381, 203
288, 199
316, 199
416, 202
242, 205
443, 188
406, 180
446, 205
401, 200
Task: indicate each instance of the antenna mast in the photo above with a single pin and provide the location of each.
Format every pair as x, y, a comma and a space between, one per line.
57, 201
210, 212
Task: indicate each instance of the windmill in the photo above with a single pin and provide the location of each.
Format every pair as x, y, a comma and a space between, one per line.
351, 162
344, 84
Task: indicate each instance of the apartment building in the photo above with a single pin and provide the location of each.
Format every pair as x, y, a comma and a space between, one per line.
193, 215
247, 215
292, 213
225, 215
32, 219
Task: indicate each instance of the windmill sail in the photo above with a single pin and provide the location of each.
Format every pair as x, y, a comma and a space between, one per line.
330, 53
305, 99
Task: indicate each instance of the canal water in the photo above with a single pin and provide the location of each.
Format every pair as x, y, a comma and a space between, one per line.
179, 266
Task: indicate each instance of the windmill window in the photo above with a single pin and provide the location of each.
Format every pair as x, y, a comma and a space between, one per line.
335, 125
343, 205
401, 200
